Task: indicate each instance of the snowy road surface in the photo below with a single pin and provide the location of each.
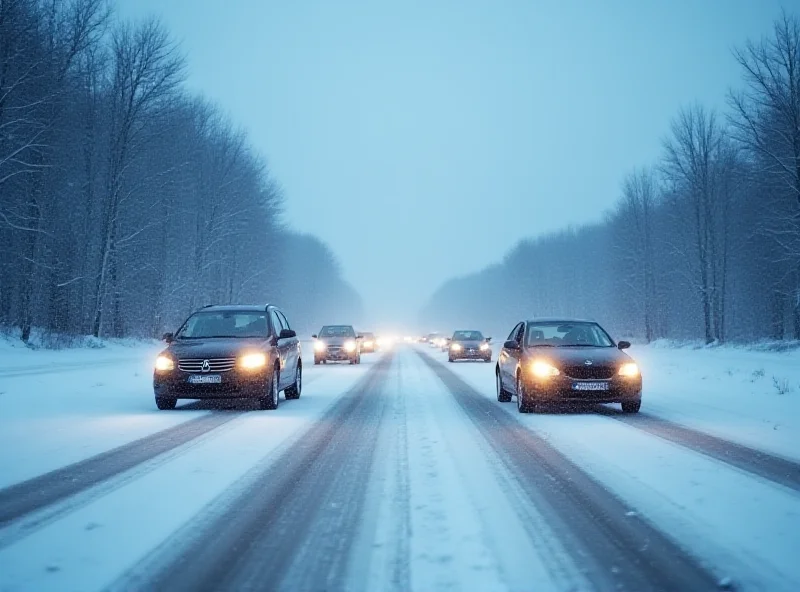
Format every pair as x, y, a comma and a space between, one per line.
404, 473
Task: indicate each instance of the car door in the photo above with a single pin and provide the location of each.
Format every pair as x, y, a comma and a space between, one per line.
280, 346
292, 349
512, 359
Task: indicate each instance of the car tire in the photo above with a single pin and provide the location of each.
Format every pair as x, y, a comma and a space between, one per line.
165, 404
293, 392
450, 359
524, 405
502, 394
488, 360
316, 362
631, 406
270, 400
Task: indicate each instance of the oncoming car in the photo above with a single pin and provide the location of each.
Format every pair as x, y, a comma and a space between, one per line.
560, 360
369, 343
230, 352
469, 345
337, 343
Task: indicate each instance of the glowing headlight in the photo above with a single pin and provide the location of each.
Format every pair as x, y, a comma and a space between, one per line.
253, 361
368, 344
164, 364
456, 347
320, 346
542, 369
629, 370
484, 346
350, 346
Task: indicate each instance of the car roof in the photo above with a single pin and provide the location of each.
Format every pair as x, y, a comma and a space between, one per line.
236, 307
326, 326
559, 320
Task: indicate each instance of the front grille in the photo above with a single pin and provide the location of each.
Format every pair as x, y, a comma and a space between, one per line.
334, 349
584, 372
214, 364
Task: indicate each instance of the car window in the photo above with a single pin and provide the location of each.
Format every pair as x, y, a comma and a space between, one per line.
513, 335
337, 331
207, 325
567, 334
284, 322
276, 322
467, 336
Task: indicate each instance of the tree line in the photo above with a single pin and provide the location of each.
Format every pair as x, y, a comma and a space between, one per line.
125, 201
704, 243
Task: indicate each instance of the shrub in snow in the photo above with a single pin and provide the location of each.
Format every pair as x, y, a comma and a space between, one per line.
782, 385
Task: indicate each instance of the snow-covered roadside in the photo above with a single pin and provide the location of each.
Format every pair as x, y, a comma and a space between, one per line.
746, 396
59, 407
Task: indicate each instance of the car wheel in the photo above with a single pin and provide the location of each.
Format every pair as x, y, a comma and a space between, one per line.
450, 359
502, 394
293, 392
524, 405
631, 406
164, 404
488, 360
316, 362
270, 401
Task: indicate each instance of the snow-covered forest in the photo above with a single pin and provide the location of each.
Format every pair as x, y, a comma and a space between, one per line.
125, 200
704, 243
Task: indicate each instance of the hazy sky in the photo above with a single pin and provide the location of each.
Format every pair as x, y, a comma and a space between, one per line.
422, 139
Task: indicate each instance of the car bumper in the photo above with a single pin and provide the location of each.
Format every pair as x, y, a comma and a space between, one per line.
233, 385
471, 355
561, 389
335, 356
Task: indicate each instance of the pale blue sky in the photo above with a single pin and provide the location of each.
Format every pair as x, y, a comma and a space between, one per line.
422, 139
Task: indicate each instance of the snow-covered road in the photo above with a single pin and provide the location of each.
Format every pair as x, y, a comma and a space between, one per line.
404, 473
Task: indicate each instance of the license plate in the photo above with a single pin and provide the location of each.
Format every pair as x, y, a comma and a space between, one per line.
205, 379
589, 386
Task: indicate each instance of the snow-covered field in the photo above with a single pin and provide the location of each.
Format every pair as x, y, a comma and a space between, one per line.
442, 507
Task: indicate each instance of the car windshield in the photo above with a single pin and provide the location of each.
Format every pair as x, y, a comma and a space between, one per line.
206, 325
566, 334
368, 335
337, 331
467, 336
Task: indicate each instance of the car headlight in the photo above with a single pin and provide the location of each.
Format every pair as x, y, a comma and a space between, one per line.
164, 364
456, 347
350, 346
484, 346
320, 346
542, 369
368, 344
629, 370
253, 361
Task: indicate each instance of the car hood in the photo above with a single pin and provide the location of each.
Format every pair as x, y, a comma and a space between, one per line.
214, 348
599, 356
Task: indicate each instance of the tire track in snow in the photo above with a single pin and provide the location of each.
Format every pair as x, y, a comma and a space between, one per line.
619, 549
291, 522
22, 499
762, 464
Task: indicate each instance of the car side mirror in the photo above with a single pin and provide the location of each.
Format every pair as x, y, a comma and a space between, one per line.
624, 344
488, 339
168, 337
287, 334
314, 337
359, 336
511, 344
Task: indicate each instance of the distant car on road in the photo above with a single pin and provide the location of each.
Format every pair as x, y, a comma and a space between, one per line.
571, 361
337, 343
369, 343
230, 352
469, 345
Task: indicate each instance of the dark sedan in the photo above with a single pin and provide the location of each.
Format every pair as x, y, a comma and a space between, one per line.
337, 343
469, 345
230, 352
558, 360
